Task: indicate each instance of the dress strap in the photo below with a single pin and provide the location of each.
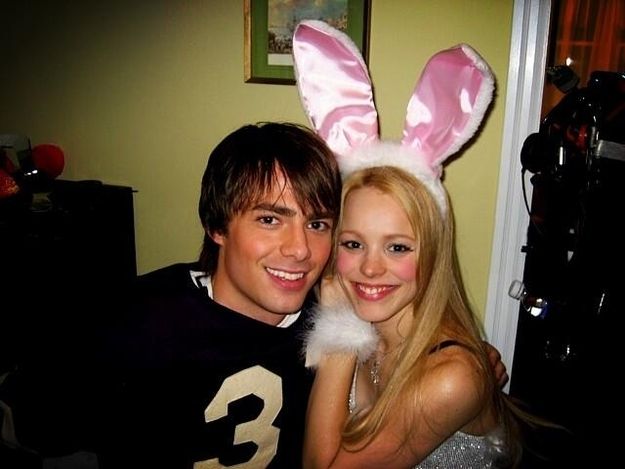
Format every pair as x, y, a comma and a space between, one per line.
445, 344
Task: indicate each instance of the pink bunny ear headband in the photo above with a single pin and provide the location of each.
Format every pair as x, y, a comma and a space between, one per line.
444, 111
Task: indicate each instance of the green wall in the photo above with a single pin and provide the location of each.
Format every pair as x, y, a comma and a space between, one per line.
138, 93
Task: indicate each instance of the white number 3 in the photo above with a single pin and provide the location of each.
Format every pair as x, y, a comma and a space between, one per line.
268, 387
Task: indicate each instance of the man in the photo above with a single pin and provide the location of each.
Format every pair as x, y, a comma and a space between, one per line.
213, 361
200, 364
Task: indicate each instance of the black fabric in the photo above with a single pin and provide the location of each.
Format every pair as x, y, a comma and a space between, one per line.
171, 377
445, 344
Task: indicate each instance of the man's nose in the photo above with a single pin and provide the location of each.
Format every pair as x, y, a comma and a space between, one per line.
295, 243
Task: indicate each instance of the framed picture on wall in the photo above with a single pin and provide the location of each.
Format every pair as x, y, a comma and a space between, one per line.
269, 26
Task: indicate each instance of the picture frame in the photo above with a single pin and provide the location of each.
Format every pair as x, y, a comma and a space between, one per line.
267, 49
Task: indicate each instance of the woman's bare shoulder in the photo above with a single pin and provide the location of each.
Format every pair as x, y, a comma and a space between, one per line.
453, 388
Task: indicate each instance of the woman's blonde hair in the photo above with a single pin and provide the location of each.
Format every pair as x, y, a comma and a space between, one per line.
440, 305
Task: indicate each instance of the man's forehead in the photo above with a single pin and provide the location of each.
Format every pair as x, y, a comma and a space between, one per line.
278, 197
280, 193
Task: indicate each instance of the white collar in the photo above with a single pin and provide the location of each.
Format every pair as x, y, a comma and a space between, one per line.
201, 279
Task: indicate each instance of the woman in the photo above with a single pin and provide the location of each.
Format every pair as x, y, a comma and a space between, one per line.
423, 393
410, 362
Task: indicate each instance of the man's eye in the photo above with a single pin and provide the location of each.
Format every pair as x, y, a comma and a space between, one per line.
320, 225
268, 220
350, 244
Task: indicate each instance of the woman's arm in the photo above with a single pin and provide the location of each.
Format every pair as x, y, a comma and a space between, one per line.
328, 409
453, 397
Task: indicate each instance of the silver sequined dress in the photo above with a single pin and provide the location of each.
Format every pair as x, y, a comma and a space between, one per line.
464, 451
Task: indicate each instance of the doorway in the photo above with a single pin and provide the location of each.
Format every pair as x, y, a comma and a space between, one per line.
566, 335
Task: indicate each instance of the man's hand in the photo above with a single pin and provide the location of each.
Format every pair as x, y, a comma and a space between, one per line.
499, 369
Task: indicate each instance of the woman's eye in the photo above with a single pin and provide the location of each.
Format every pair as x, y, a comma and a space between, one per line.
400, 248
350, 244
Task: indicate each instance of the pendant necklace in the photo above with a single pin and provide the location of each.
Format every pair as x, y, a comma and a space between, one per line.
374, 372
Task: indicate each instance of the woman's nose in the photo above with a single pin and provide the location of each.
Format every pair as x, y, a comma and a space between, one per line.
373, 264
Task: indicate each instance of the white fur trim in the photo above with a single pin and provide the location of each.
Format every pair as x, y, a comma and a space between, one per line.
337, 329
394, 154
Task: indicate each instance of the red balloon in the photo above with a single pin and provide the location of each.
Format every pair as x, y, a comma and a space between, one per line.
49, 159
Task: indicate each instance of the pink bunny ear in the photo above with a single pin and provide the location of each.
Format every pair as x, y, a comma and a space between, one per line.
446, 107
448, 103
334, 86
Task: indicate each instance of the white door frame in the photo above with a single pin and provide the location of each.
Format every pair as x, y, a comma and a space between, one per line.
526, 74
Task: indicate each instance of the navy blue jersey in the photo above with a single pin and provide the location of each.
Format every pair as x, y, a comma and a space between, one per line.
201, 385
179, 381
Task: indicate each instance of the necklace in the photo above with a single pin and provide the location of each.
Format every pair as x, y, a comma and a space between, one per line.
376, 365
374, 372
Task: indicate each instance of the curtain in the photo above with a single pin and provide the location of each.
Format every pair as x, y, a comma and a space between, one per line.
592, 35
608, 37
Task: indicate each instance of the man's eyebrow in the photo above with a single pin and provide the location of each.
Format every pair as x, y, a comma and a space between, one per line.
320, 215
289, 212
279, 209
